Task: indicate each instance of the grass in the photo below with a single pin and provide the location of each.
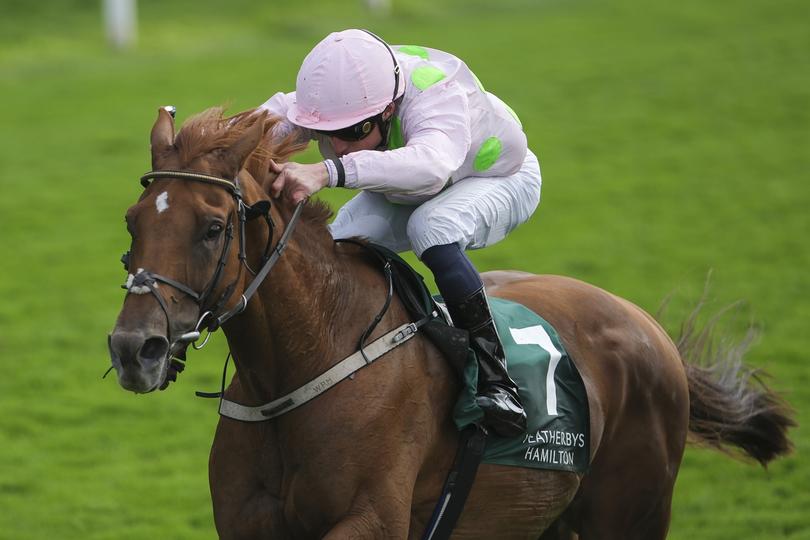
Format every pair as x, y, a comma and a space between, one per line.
673, 139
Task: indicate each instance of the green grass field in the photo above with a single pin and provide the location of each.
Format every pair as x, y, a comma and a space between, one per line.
673, 137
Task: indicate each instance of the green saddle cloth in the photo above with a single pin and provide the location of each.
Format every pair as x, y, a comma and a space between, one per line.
551, 391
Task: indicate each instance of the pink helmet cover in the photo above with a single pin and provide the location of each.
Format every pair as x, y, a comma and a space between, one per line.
348, 77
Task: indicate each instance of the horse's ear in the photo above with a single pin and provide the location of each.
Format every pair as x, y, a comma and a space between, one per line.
239, 151
162, 134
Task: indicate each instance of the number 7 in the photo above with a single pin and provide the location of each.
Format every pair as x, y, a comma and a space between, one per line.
537, 335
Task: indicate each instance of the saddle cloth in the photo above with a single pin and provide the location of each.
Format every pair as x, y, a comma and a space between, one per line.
550, 387
551, 391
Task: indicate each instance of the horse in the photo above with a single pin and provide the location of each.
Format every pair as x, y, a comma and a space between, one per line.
368, 458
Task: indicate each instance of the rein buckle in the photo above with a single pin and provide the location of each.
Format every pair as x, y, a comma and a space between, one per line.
405, 333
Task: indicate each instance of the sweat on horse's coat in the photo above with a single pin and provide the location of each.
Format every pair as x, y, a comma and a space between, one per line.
368, 458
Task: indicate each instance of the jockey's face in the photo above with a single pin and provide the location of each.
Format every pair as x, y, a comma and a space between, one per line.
369, 142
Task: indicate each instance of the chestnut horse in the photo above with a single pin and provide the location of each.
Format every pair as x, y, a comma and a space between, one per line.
368, 458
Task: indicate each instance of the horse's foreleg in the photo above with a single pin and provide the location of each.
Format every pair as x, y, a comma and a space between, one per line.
367, 523
241, 475
358, 527
559, 531
374, 514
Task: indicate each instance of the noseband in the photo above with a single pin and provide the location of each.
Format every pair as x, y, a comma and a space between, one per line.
146, 282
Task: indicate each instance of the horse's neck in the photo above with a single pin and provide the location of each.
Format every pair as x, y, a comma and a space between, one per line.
302, 318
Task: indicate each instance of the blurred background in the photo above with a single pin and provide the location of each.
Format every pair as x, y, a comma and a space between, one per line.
673, 139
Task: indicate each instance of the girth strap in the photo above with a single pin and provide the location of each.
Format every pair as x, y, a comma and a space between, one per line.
458, 484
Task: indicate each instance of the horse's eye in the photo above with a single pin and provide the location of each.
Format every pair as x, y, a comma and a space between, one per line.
214, 231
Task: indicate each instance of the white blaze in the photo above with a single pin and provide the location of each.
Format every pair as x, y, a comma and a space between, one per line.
162, 202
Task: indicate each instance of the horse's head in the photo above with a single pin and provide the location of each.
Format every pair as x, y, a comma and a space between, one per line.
188, 254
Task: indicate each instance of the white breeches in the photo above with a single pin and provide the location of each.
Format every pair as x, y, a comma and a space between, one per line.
474, 212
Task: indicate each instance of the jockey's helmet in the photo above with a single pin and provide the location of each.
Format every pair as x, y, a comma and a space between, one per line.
346, 81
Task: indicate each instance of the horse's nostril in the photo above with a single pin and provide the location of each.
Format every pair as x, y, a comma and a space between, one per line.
154, 349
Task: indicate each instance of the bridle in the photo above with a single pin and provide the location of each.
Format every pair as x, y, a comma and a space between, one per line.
146, 282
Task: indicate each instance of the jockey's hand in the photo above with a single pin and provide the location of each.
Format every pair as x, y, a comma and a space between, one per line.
298, 181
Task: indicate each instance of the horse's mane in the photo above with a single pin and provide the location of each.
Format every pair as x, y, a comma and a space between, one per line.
210, 130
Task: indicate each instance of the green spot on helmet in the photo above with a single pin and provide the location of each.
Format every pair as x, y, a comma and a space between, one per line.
424, 77
488, 154
414, 50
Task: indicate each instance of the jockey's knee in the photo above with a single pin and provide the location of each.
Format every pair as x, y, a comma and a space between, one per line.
429, 226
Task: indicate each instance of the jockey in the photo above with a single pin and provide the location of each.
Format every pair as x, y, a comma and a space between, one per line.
442, 166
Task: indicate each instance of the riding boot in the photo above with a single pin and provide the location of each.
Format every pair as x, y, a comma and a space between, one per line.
497, 392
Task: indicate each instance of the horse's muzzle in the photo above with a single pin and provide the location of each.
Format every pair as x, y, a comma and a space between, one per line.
140, 361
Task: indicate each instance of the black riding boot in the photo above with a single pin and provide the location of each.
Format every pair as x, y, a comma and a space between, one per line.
497, 392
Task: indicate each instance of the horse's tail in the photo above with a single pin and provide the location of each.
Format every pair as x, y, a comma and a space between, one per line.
730, 404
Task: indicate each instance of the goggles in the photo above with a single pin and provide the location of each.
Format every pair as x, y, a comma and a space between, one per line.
357, 132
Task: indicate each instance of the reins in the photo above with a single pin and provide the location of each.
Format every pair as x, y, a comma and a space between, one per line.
144, 281
364, 356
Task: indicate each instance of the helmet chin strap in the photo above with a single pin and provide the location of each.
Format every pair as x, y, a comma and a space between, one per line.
385, 125
385, 130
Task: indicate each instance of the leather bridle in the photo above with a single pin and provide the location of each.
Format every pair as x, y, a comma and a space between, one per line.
144, 281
